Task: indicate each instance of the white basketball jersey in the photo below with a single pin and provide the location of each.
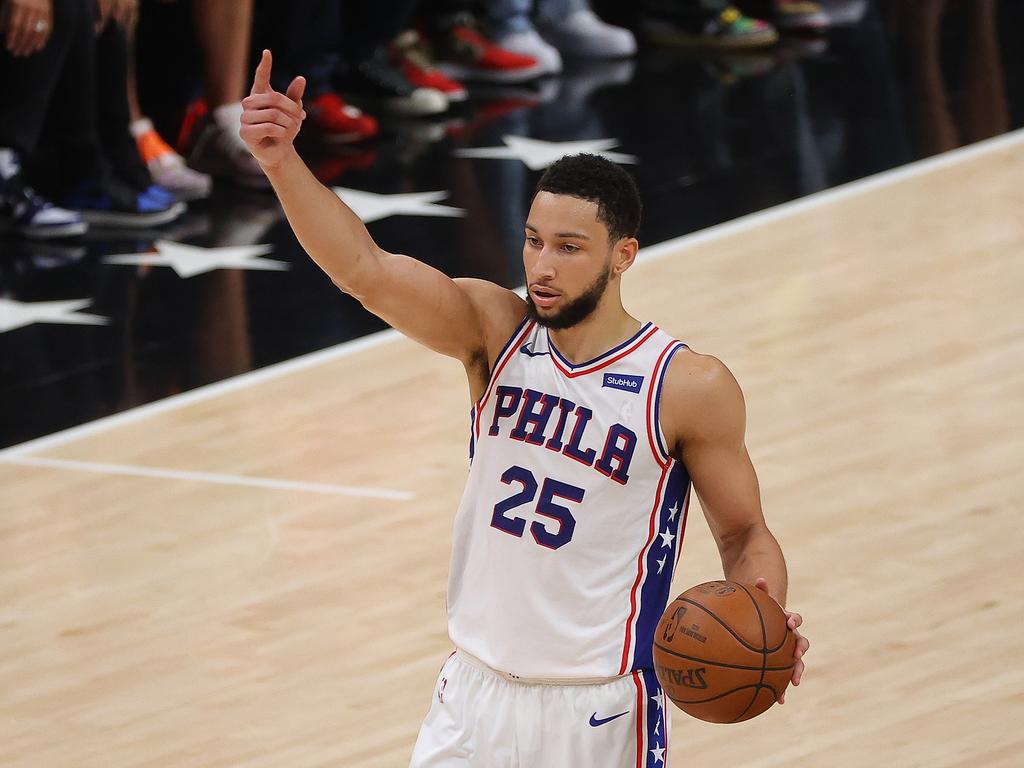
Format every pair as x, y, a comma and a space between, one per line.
571, 523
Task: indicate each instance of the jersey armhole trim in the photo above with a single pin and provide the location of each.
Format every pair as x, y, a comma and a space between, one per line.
522, 330
655, 435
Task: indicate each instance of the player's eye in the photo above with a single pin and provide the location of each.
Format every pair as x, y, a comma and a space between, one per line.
570, 248
533, 241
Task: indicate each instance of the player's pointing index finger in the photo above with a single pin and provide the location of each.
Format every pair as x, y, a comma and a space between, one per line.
261, 83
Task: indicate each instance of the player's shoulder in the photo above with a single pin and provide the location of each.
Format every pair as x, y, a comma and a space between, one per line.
697, 373
699, 391
499, 310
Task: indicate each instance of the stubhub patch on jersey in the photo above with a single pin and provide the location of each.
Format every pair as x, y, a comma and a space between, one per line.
623, 381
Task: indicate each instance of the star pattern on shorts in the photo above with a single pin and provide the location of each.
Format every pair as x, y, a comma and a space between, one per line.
661, 563
666, 538
659, 754
673, 511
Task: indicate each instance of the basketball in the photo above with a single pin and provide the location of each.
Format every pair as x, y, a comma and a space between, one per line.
723, 652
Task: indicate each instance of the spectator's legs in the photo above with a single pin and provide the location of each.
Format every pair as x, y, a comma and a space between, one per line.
27, 84
166, 166
114, 114
224, 28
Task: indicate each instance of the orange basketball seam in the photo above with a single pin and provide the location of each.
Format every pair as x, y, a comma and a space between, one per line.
720, 663
764, 654
722, 695
729, 629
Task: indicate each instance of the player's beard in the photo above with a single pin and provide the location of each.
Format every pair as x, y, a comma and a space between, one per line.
575, 311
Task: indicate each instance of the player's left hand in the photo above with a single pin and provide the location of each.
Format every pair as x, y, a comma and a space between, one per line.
802, 643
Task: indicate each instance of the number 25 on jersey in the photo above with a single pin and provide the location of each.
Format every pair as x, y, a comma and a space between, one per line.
504, 518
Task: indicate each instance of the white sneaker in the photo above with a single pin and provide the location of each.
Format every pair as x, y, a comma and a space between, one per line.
583, 34
220, 152
533, 45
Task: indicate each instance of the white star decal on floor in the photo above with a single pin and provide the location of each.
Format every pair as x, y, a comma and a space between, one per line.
659, 754
661, 563
369, 206
673, 512
666, 538
18, 314
539, 154
191, 260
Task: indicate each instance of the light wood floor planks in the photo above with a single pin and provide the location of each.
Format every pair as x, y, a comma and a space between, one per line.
879, 338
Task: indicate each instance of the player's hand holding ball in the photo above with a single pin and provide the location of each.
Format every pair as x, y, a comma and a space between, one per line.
271, 120
793, 621
725, 652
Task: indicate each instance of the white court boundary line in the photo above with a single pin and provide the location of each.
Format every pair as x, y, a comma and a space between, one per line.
651, 253
210, 477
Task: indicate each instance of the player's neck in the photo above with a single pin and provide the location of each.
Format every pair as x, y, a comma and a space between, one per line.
606, 328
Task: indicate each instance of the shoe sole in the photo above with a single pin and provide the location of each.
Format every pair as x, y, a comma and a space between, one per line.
133, 220
674, 37
47, 233
472, 74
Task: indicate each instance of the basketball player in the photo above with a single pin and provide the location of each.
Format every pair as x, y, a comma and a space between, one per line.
588, 427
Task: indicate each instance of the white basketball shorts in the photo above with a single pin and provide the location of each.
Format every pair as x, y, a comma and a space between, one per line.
480, 718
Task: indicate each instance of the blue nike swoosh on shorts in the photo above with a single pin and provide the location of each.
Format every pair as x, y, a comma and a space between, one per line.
595, 722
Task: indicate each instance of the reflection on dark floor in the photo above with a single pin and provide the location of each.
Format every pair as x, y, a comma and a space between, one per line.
114, 319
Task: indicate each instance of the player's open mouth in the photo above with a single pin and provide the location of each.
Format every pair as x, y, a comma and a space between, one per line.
543, 297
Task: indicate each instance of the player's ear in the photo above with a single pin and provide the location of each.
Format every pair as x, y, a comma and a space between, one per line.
624, 254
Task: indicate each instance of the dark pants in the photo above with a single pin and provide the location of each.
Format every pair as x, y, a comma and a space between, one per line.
52, 94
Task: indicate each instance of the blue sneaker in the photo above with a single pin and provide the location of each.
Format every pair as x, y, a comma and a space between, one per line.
159, 195
113, 204
25, 212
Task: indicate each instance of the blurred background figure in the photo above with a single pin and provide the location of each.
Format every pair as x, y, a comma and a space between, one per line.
54, 73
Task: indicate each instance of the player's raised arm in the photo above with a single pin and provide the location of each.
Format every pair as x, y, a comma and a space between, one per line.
413, 297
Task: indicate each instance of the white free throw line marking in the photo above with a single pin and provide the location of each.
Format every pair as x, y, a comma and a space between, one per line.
209, 477
650, 253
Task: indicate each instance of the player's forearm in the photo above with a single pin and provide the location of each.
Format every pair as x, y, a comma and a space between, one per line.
326, 228
753, 555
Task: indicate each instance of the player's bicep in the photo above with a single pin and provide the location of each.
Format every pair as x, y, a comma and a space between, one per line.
710, 424
424, 304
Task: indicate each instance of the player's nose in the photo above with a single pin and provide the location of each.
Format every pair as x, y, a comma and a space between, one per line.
544, 266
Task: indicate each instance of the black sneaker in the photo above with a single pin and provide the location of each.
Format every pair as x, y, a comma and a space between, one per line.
708, 24
25, 212
378, 82
114, 204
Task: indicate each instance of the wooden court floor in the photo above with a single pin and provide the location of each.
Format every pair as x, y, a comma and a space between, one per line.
179, 620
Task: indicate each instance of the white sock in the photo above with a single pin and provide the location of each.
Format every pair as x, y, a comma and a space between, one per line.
140, 127
228, 117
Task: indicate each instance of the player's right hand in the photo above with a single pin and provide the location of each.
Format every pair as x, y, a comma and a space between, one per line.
271, 120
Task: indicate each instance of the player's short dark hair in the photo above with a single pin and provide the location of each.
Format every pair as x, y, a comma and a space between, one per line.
598, 180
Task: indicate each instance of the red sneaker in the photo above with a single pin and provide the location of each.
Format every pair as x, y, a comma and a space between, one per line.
465, 54
411, 53
340, 122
